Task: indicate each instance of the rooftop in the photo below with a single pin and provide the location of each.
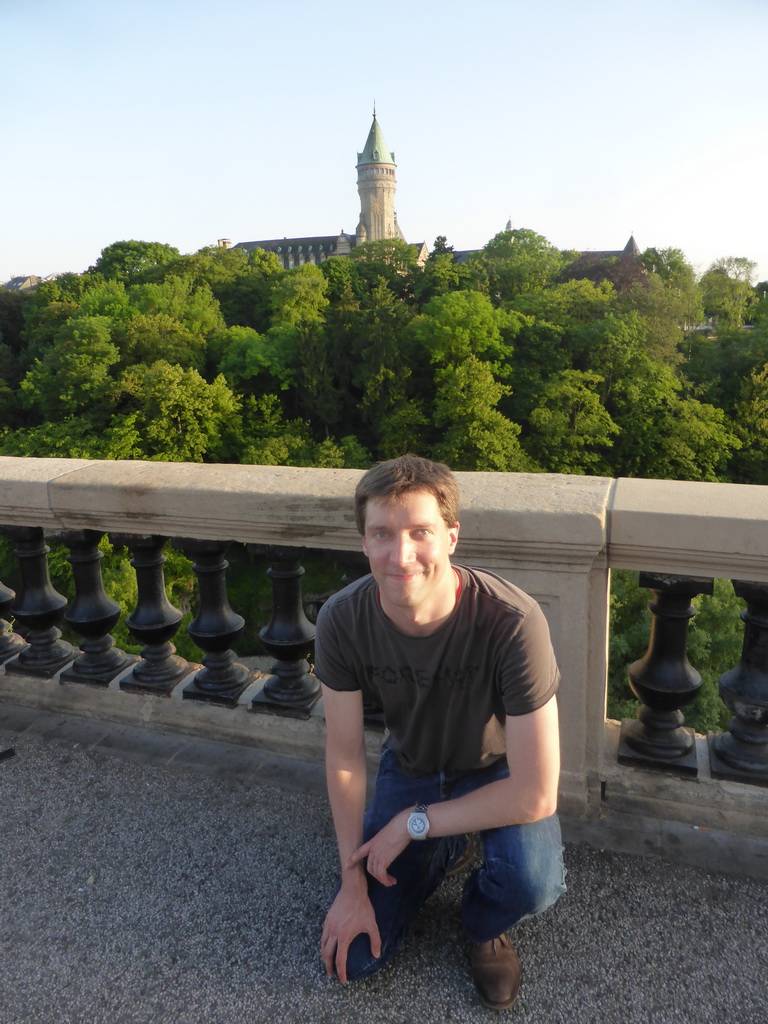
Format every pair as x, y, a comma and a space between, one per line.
376, 150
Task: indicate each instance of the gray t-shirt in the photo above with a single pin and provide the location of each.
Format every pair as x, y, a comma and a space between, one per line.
445, 697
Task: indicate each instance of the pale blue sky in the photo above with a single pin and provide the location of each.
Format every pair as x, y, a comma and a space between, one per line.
184, 122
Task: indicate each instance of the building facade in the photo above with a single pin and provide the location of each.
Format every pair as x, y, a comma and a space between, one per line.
376, 186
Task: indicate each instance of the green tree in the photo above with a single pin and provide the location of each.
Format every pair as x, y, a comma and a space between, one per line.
679, 298
346, 322
518, 261
751, 427
149, 337
668, 316
273, 441
569, 304
390, 260
129, 260
441, 248
665, 435
296, 340
242, 355
107, 299
547, 340
616, 348
175, 416
442, 273
759, 310
11, 319
11, 344
239, 280
639, 405
454, 326
299, 297
475, 435
570, 428
192, 305
717, 365
344, 282
270, 440
385, 369
697, 444
75, 437
74, 374
727, 291
738, 268
630, 625
466, 339
714, 646
48, 308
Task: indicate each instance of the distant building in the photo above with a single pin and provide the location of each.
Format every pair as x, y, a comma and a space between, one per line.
622, 267
630, 251
26, 284
376, 184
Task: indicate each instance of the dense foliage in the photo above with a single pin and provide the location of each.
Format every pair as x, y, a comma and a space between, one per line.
519, 357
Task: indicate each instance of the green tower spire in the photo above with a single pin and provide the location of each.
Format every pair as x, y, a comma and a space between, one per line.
376, 150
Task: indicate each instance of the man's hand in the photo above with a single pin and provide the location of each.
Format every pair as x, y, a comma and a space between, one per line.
385, 846
351, 914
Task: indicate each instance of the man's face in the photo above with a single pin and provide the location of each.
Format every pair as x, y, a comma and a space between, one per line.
408, 546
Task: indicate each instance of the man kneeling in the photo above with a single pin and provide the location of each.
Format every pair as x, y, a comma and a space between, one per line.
461, 663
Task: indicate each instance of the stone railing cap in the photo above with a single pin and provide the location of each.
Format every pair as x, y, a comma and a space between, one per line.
690, 528
270, 504
25, 494
703, 529
534, 516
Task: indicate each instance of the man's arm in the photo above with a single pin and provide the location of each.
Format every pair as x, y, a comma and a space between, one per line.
529, 794
351, 912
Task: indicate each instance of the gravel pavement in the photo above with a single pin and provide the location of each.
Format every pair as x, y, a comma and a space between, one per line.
148, 880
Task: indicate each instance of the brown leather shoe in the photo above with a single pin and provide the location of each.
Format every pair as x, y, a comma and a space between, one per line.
496, 972
464, 858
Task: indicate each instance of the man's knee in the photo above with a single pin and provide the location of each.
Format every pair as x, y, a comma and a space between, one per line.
523, 889
522, 875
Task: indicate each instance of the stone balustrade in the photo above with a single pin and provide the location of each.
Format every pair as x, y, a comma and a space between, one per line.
556, 536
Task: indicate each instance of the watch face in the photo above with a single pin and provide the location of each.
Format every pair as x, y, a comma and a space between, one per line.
418, 825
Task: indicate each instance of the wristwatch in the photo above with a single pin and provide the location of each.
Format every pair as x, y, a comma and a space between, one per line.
418, 822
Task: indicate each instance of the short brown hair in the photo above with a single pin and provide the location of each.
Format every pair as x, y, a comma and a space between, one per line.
408, 473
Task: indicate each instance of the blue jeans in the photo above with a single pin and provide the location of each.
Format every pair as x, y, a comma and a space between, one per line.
521, 875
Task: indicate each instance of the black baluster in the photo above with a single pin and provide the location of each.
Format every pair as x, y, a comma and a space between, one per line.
11, 643
215, 628
742, 752
38, 608
289, 638
92, 615
153, 622
664, 680
354, 563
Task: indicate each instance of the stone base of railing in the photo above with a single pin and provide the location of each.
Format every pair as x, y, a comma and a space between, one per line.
287, 736
717, 825
704, 822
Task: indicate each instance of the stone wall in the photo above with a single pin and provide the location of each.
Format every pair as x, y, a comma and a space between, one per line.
555, 536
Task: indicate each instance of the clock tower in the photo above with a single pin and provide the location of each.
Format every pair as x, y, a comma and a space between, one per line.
376, 187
